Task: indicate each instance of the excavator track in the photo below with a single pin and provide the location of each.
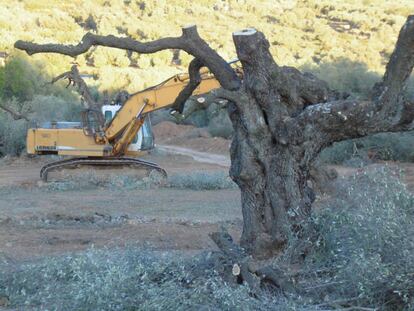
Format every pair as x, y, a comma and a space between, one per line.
68, 163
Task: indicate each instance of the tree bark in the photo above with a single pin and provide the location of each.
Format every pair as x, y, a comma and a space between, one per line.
266, 164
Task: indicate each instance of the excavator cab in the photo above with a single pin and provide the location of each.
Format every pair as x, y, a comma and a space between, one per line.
92, 122
144, 140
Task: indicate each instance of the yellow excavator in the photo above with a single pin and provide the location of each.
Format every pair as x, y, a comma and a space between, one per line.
89, 143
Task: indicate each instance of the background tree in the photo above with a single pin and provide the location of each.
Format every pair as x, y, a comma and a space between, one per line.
282, 120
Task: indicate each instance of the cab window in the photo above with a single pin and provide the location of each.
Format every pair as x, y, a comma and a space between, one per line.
108, 116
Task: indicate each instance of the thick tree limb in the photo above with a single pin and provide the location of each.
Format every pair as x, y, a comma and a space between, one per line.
15, 115
399, 66
388, 111
90, 40
341, 120
302, 89
195, 80
189, 41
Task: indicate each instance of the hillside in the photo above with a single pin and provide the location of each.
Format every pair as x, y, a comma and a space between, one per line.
356, 36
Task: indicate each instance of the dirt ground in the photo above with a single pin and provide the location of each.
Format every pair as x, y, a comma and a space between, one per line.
36, 221
190, 137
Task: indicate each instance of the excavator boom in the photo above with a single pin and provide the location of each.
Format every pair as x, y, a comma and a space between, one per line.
155, 98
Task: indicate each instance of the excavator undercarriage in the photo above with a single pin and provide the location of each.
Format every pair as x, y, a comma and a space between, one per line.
106, 162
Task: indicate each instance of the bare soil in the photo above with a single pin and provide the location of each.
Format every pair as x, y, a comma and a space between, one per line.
190, 137
36, 221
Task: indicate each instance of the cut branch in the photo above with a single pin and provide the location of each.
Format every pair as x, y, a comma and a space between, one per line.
249, 270
237, 258
15, 115
82, 88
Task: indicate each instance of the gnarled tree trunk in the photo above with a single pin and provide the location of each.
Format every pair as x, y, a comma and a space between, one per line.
270, 162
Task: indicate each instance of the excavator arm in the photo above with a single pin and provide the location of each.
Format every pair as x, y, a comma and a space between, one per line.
128, 120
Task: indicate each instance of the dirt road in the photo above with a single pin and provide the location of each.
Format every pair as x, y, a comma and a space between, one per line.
202, 157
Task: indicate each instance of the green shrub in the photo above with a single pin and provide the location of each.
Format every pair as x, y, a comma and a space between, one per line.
364, 255
194, 181
383, 146
219, 124
220, 129
161, 115
16, 80
198, 118
22, 79
12, 135
39, 109
338, 153
132, 279
346, 76
25, 89
52, 108
389, 146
